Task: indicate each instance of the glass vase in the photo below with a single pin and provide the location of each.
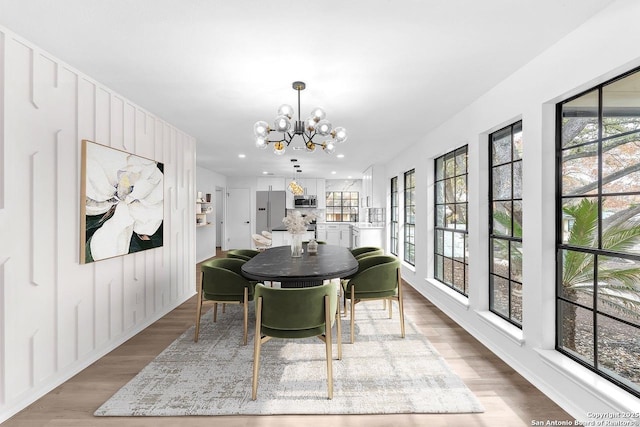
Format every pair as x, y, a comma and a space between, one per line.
296, 245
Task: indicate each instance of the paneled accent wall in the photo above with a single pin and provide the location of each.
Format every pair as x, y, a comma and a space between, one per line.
56, 315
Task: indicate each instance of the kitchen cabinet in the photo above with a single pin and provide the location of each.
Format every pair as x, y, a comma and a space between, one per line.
335, 234
321, 192
270, 184
373, 187
371, 236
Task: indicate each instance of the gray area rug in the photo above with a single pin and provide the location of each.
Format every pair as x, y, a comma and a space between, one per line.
380, 373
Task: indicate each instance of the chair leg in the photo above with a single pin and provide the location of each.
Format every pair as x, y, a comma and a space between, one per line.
198, 308
400, 303
256, 350
245, 303
384, 304
390, 307
327, 328
352, 303
339, 331
198, 314
215, 311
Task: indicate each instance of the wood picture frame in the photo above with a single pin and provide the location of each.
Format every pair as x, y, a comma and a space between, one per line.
121, 203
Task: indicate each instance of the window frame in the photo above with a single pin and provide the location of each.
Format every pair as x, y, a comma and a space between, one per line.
563, 302
441, 176
409, 225
394, 232
510, 240
342, 214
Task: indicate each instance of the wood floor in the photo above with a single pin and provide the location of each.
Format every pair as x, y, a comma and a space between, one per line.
509, 400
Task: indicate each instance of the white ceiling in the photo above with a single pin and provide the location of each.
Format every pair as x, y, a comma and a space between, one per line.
388, 71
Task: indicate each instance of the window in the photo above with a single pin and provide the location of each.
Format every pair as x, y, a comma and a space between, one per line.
598, 230
410, 217
505, 223
451, 253
393, 243
342, 206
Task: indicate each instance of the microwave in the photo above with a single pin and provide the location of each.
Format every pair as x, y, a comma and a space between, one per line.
305, 201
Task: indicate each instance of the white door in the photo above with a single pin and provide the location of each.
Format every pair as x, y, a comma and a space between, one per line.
219, 216
238, 218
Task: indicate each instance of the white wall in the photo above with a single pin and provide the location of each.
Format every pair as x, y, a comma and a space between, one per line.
57, 316
206, 182
604, 47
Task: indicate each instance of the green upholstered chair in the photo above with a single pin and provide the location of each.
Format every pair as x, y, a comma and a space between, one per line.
362, 250
222, 282
378, 277
296, 313
243, 254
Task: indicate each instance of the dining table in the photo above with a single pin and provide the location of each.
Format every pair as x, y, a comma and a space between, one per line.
311, 269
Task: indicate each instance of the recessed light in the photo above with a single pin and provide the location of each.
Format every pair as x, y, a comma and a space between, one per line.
340, 156
349, 177
333, 172
242, 156
265, 173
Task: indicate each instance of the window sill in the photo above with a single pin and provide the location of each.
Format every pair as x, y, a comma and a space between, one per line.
507, 329
597, 385
408, 266
456, 296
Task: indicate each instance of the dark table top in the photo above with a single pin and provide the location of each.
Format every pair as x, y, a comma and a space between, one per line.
276, 264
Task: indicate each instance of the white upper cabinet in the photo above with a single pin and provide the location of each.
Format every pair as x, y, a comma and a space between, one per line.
273, 184
373, 187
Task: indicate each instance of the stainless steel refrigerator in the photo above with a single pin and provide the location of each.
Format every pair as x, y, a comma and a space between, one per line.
271, 208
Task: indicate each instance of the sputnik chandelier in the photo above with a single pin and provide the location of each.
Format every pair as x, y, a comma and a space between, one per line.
316, 125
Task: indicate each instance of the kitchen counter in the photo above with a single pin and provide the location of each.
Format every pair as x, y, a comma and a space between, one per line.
310, 227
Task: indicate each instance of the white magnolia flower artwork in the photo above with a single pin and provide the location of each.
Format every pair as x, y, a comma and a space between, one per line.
123, 202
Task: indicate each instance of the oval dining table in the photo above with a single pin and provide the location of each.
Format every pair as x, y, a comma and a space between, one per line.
277, 265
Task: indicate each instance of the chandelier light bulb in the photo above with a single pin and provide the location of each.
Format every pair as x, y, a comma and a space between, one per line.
279, 148
310, 124
282, 124
261, 129
318, 114
311, 147
328, 147
323, 127
261, 142
339, 134
286, 110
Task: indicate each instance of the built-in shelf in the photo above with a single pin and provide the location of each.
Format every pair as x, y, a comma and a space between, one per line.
202, 209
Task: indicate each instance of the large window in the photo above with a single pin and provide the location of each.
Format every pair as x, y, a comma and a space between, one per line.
342, 206
410, 217
451, 265
395, 212
505, 225
598, 230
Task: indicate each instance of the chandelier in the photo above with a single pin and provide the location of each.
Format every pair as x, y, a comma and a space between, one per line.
316, 125
294, 187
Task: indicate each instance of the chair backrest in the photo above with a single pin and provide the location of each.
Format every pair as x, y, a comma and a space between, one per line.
377, 273
364, 249
222, 277
296, 310
267, 234
244, 254
370, 253
260, 241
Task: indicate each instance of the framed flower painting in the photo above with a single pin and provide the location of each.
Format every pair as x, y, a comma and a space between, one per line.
121, 205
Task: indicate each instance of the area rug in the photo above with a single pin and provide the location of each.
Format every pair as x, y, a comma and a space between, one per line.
381, 373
